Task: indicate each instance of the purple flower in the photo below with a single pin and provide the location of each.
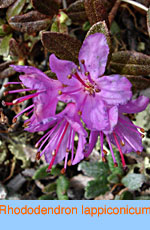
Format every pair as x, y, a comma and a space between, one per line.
57, 143
44, 96
126, 136
85, 85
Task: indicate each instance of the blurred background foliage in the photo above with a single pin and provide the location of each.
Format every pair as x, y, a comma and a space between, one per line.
30, 30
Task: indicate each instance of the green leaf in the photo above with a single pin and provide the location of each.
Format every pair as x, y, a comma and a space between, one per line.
62, 187
94, 169
115, 170
76, 12
96, 187
133, 181
40, 173
4, 45
15, 9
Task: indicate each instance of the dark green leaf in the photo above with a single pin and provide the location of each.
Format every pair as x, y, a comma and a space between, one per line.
76, 11
62, 187
40, 173
96, 188
46, 197
62, 45
50, 188
126, 195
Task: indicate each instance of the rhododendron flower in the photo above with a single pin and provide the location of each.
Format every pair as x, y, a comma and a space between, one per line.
44, 97
126, 136
85, 85
59, 141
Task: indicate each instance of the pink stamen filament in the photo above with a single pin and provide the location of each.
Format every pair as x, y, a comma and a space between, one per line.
89, 76
101, 141
58, 146
49, 134
68, 148
23, 111
73, 91
79, 79
72, 145
121, 154
24, 98
28, 113
19, 91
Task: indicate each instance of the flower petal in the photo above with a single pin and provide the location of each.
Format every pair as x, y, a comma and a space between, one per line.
94, 52
135, 106
115, 89
92, 142
113, 119
95, 114
79, 153
62, 69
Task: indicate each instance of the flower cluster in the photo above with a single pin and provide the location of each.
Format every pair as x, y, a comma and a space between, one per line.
99, 101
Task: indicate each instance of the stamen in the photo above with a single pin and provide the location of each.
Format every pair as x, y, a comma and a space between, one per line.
26, 123
121, 154
79, 113
69, 76
82, 61
18, 91
24, 98
63, 171
138, 152
38, 156
23, 111
101, 141
59, 92
79, 79
58, 146
12, 83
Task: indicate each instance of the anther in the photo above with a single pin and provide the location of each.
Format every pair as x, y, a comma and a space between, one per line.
67, 150
6, 85
82, 61
97, 90
86, 73
38, 156
104, 159
104, 151
37, 145
59, 92
69, 76
63, 171
138, 152
48, 170
6, 93
115, 164
69, 163
122, 143
142, 135
14, 120
79, 113
53, 153
142, 130
26, 123
79, 68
